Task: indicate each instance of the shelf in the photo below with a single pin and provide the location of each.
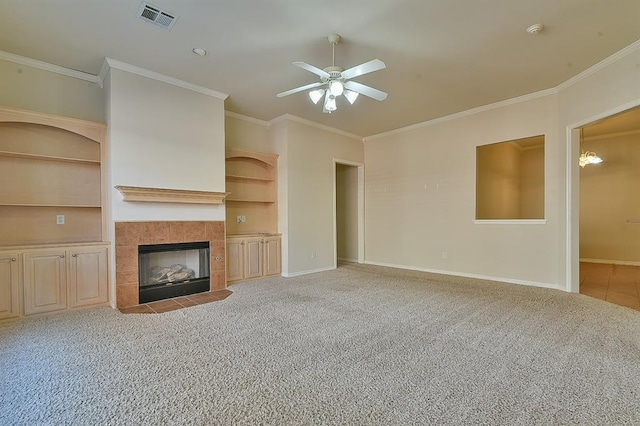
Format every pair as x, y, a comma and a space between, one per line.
47, 158
82, 206
250, 178
250, 201
164, 195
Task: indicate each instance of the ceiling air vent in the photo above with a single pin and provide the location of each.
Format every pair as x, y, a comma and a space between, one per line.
156, 16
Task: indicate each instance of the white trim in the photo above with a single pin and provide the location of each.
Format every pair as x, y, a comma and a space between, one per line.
247, 118
113, 63
612, 262
307, 272
463, 274
500, 104
297, 119
48, 67
574, 80
104, 70
600, 65
348, 259
572, 189
611, 135
510, 222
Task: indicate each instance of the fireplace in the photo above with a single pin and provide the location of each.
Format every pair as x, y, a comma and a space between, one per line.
172, 270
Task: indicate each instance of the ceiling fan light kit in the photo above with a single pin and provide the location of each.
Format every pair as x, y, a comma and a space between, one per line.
335, 82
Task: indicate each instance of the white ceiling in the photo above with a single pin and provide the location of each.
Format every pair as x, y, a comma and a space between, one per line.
442, 56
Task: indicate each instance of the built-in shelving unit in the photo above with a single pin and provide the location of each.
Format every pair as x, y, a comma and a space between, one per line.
51, 176
252, 187
53, 226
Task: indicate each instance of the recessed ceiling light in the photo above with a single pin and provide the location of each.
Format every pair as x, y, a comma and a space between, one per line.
535, 28
198, 51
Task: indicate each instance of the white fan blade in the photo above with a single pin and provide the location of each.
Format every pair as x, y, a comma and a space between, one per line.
376, 94
365, 68
299, 89
311, 68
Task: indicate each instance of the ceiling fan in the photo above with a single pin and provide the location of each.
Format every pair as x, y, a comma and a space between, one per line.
335, 82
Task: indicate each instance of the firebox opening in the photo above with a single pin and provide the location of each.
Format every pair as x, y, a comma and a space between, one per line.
172, 270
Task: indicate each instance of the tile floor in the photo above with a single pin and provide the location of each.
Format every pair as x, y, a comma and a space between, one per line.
177, 303
619, 284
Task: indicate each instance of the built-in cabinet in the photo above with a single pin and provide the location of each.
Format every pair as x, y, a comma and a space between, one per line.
53, 224
9, 285
253, 256
253, 244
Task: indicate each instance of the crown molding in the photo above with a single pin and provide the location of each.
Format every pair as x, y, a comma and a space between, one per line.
600, 65
297, 119
496, 105
10, 57
252, 120
113, 63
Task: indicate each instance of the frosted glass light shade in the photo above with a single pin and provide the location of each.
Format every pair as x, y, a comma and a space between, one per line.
336, 88
351, 96
330, 103
316, 95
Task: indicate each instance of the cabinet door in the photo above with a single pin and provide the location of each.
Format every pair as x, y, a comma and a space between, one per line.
87, 276
45, 281
272, 250
235, 259
253, 257
9, 299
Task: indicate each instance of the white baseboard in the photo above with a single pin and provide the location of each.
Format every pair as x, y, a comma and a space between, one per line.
463, 274
612, 262
347, 259
310, 271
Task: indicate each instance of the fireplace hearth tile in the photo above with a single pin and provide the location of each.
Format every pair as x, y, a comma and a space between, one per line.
165, 306
157, 233
185, 301
126, 278
195, 231
215, 231
138, 309
176, 232
129, 234
127, 259
127, 296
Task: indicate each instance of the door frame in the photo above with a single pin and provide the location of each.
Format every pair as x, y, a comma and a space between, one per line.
360, 167
572, 241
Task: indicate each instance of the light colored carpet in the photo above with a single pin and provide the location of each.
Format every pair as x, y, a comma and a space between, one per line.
358, 345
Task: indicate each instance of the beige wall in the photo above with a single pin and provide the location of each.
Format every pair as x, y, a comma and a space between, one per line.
245, 133
609, 197
347, 212
34, 89
420, 199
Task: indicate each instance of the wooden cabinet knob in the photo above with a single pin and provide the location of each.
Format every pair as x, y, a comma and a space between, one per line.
62, 256
13, 259
74, 255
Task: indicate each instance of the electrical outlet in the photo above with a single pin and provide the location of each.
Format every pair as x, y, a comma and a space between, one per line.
244, 218
444, 254
239, 219
59, 219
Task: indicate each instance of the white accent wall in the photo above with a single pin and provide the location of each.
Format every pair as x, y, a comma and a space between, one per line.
163, 136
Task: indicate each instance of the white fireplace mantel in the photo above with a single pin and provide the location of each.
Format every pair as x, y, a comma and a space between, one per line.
164, 195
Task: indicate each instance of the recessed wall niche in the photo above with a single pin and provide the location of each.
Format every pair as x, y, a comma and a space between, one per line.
510, 179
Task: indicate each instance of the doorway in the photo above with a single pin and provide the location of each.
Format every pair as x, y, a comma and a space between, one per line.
608, 217
348, 212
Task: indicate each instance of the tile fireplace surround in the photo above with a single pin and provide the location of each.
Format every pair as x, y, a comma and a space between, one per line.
129, 235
